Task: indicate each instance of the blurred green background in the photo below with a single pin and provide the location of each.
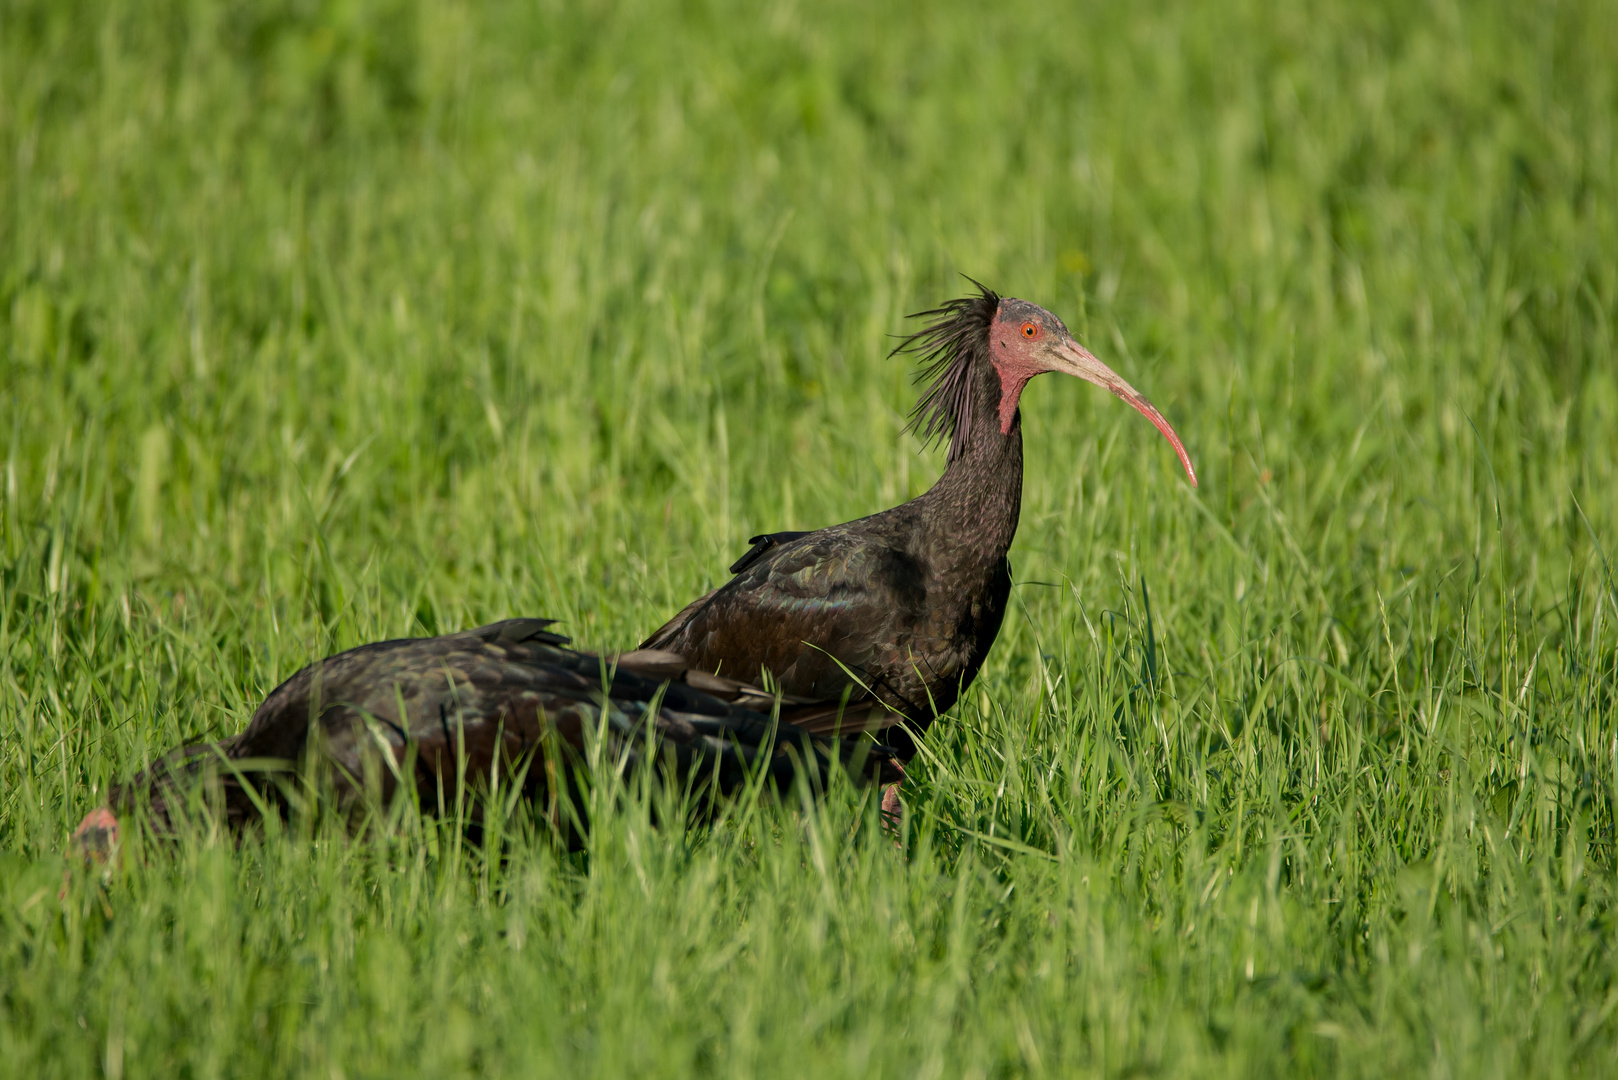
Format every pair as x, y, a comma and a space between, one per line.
326, 322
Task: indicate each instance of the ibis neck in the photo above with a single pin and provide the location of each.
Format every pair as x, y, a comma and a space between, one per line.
975, 504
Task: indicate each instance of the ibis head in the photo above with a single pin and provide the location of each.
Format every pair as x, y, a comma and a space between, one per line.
1026, 340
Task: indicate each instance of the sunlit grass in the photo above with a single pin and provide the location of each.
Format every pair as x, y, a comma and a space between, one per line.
323, 324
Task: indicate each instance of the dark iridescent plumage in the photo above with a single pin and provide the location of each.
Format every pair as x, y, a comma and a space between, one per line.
903, 606
504, 704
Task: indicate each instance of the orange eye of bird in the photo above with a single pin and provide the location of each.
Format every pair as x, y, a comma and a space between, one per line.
1029, 330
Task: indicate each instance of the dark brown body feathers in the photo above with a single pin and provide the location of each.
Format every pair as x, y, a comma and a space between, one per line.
503, 704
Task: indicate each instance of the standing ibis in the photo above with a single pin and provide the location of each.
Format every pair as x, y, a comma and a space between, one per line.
896, 612
507, 705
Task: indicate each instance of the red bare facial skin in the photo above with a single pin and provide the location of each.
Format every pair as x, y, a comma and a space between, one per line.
1016, 365
1026, 340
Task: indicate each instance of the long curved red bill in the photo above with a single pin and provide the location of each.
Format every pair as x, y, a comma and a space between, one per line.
1074, 359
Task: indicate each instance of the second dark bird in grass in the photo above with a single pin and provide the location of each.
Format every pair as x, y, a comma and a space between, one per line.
898, 610
453, 721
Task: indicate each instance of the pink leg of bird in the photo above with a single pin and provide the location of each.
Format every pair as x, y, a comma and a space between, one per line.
94, 841
97, 835
892, 808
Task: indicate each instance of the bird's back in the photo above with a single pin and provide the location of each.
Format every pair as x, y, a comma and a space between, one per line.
858, 609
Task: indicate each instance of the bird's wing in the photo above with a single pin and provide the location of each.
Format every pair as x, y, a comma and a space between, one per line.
762, 545
816, 616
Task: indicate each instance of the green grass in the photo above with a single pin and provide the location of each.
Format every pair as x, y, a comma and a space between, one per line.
321, 323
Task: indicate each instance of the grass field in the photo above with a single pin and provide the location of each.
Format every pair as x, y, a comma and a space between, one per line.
327, 322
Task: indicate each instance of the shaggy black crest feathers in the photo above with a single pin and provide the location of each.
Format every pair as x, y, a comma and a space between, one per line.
959, 330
